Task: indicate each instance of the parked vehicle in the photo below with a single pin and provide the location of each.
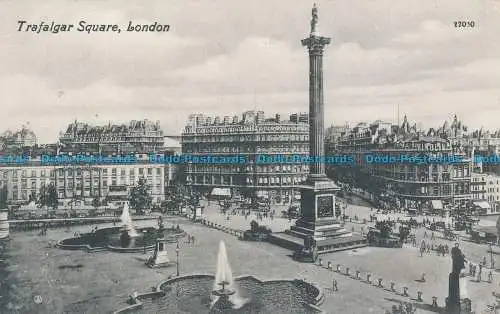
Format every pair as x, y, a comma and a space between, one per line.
376, 239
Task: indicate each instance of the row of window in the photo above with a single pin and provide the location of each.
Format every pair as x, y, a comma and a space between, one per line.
261, 180
252, 137
69, 172
293, 149
251, 168
71, 183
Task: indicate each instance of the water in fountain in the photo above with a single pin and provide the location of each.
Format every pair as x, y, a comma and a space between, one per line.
224, 281
127, 221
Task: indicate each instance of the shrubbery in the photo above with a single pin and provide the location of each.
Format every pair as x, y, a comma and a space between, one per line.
256, 228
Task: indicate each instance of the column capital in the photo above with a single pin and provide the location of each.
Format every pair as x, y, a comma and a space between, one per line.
316, 44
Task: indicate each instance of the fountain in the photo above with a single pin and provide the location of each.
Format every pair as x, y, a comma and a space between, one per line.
127, 221
226, 296
223, 293
125, 239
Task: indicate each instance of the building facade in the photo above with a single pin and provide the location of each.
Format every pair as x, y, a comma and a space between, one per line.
133, 138
251, 136
485, 188
405, 183
18, 139
333, 134
478, 186
80, 181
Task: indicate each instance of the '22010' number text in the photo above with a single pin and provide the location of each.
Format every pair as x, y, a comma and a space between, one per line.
464, 24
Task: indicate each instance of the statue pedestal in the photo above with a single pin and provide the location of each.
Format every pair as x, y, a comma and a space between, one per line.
160, 256
453, 300
319, 220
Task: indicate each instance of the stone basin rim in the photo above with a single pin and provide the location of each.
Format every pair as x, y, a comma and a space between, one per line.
158, 291
87, 247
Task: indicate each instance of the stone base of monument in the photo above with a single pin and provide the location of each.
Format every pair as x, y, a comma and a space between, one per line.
295, 242
318, 223
160, 256
465, 307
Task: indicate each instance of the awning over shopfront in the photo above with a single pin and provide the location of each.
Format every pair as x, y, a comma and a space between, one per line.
482, 205
263, 194
224, 192
437, 204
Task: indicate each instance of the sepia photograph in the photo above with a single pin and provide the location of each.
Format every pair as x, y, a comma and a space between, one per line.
249, 157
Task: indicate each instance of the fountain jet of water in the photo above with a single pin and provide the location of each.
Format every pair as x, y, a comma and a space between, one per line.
224, 282
127, 221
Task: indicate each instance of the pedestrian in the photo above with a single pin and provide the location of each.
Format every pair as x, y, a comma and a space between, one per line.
479, 272
334, 285
425, 234
470, 268
490, 277
484, 260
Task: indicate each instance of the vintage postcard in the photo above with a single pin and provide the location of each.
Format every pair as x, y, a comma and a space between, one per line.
253, 157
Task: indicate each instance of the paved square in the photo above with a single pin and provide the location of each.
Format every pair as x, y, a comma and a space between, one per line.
106, 279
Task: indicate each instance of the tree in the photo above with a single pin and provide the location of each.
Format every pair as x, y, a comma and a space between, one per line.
32, 197
3, 197
384, 228
42, 195
254, 226
48, 196
96, 202
498, 230
404, 232
52, 199
139, 197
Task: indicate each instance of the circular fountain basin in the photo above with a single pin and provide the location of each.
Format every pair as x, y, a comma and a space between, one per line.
191, 294
111, 239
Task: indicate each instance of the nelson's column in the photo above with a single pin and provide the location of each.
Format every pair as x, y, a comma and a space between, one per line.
318, 229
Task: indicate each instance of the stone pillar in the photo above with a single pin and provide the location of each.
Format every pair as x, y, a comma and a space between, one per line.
316, 45
65, 182
56, 181
74, 181
91, 182
100, 182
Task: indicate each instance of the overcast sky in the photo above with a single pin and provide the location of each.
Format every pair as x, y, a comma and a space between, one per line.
224, 57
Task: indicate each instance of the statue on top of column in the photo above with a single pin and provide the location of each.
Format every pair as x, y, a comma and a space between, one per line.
314, 20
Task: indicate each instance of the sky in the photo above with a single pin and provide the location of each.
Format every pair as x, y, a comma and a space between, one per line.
223, 57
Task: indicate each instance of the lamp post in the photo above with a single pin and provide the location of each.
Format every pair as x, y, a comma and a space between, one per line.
144, 232
491, 257
177, 255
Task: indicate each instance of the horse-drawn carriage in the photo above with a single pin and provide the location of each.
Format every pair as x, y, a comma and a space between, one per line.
437, 225
449, 235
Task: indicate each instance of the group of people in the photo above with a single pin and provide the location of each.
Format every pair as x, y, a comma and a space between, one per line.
440, 249
247, 212
191, 239
476, 271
